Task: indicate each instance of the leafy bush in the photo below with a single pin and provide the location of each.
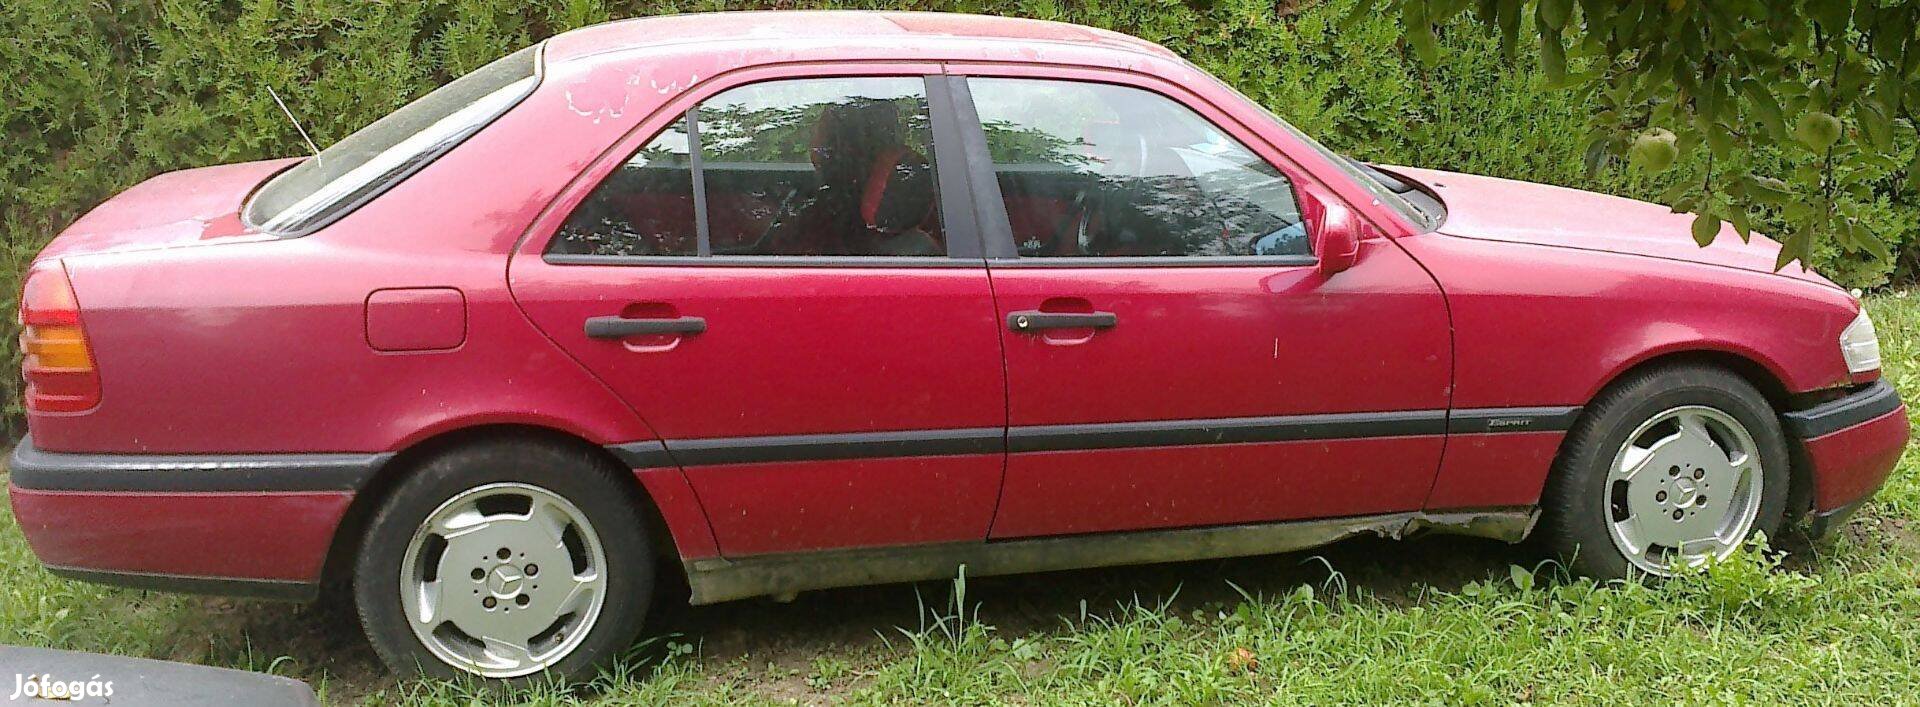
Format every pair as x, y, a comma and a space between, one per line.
102, 95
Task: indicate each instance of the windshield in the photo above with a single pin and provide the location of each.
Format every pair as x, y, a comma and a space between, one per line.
1359, 171
358, 168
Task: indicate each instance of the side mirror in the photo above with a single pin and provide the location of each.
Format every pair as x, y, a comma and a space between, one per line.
1336, 240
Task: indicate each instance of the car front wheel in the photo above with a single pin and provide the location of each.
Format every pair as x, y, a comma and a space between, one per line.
507, 560
1668, 468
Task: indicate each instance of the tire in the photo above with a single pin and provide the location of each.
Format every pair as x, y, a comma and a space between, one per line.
1594, 509
486, 556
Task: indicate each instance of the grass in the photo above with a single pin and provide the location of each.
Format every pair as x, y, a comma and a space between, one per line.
1441, 621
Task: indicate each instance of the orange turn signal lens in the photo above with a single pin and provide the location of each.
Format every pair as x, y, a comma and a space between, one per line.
56, 360
60, 347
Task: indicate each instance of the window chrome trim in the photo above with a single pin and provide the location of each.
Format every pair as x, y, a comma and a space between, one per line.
766, 261
1156, 261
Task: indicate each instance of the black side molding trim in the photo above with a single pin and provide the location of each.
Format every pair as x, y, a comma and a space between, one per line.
1487, 420
1238, 430
642, 455
63, 471
1116, 435
860, 445
1868, 402
274, 589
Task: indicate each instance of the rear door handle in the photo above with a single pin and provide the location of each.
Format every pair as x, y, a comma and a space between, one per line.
622, 327
1035, 320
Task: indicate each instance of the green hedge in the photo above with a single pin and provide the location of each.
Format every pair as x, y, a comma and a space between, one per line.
101, 95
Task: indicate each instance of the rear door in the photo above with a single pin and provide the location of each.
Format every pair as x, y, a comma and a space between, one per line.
1174, 357
778, 281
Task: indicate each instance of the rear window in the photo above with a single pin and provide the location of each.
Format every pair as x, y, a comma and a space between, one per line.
380, 155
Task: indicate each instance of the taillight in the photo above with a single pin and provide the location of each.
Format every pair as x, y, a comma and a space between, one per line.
55, 359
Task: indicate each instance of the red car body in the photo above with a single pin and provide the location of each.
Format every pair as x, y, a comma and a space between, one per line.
253, 394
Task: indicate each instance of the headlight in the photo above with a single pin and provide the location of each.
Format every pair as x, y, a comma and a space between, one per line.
1859, 345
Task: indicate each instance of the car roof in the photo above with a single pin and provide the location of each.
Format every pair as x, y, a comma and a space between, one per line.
852, 26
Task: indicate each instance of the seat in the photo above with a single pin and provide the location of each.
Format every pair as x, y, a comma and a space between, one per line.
876, 195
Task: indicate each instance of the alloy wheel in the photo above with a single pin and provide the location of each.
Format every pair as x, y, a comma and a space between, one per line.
503, 580
1683, 488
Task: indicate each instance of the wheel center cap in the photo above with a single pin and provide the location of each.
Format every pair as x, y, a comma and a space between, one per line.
1685, 488
505, 581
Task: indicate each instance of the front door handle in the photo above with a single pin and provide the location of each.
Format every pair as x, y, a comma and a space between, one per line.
1035, 320
622, 327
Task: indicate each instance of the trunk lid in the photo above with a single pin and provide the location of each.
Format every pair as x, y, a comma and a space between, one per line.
184, 208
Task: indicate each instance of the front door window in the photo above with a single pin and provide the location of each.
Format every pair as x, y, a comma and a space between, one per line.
1092, 169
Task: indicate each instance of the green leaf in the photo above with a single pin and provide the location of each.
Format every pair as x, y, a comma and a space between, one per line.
1889, 91
1553, 57
1510, 26
1554, 13
1719, 139
1769, 190
1789, 251
1596, 155
1832, 15
1520, 576
1913, 171
1874, 122
1742, 224
1419, 31
1869, 242
1765, 107
1888, 33
1705, 227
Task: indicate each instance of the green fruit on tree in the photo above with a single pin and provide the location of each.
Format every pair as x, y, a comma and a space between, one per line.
1817, 130
1654, 150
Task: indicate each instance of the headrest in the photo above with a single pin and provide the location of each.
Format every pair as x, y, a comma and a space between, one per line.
899, 193
847, 135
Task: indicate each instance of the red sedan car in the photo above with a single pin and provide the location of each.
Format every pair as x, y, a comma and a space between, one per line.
788, 301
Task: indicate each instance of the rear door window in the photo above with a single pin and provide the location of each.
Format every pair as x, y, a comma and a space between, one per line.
804, 167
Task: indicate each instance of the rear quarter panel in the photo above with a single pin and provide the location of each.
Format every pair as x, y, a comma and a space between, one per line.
261, 346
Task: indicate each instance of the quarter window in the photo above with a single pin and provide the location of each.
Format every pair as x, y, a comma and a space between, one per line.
644, 208
814, 167
1089, 169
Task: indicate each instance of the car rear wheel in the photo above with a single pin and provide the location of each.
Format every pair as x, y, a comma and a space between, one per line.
506, 560
1668, 468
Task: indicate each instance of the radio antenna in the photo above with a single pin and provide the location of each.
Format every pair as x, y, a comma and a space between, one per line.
296, 123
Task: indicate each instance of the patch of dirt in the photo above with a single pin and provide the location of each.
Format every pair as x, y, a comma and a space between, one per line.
323, 639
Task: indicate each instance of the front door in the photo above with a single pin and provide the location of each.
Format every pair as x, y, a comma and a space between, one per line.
1174, 358
773, 281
